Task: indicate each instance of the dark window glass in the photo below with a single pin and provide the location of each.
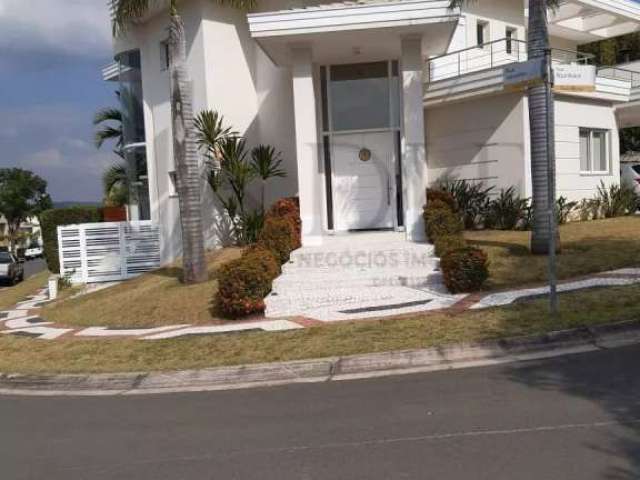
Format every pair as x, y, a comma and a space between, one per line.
5, 258
636, 168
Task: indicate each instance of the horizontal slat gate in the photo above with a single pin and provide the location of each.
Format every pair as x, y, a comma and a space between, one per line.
110, 251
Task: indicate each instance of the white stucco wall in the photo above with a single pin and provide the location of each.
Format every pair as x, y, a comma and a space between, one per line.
571, 114
230, 74
478, 140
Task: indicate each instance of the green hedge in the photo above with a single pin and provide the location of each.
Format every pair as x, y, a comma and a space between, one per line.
50, 220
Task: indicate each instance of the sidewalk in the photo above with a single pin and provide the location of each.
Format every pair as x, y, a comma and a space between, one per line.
23, 319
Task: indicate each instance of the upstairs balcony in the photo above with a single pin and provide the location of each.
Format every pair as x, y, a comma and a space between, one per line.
478, 70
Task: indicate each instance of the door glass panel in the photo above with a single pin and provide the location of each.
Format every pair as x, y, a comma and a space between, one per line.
360, 96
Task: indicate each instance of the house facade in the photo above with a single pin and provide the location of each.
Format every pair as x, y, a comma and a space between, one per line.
372, 101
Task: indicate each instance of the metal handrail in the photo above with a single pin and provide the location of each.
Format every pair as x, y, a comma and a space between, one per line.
616, 73
493, 54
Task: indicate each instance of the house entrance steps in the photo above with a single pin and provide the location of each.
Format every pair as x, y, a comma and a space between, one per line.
359, 275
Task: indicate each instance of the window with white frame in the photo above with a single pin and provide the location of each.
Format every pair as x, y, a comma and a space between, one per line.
594, 150
482, 32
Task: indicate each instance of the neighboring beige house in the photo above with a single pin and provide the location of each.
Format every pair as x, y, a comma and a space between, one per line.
371, 101
30, 233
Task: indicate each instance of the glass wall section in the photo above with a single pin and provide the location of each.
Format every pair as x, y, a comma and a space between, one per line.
134, 140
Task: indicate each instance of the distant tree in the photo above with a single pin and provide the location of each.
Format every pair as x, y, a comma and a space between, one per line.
23, 194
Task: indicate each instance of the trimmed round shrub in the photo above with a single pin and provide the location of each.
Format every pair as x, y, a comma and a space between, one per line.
434, 194
244, 283
289, 208
446, 243
465, 269
440, 220
278, 236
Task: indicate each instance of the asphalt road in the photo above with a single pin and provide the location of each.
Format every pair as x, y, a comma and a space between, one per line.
569, 418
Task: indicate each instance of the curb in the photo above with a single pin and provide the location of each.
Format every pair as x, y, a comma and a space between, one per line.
553, 344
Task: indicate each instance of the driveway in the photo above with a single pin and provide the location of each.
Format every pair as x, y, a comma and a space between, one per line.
572, 418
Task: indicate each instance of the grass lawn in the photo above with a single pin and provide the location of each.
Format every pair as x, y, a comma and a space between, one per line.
587, 307
12, 295
587, 247
153, 299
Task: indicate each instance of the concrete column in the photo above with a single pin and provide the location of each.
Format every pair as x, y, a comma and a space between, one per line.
307, 145
414, 161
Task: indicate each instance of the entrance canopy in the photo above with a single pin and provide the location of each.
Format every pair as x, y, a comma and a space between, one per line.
592, 20
370, 30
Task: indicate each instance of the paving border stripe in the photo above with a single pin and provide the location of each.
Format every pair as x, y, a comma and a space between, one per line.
517, 349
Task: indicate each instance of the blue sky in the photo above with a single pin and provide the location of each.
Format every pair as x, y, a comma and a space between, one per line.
51, 54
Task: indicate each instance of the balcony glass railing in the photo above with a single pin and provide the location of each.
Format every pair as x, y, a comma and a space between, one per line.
491, 55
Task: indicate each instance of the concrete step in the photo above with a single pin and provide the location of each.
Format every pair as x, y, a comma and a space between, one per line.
310, 259
338, 278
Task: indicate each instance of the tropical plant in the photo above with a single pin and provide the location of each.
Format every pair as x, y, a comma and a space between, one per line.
564, 209
616, 200
210, 131
232, 172
472, 199
185, 153
541, 108
266, 163
23, 194
507, 211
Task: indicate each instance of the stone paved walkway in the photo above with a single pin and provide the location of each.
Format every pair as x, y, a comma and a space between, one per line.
23, 319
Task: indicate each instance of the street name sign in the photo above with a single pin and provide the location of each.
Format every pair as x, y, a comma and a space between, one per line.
574, 78
524, 74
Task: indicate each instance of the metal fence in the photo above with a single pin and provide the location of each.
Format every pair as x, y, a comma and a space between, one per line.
110, 251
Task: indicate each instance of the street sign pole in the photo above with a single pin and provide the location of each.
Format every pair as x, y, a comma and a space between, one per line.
551, 159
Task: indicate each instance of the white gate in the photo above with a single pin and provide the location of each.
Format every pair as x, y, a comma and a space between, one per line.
110, 251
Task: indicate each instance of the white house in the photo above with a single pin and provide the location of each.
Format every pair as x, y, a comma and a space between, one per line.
370, 101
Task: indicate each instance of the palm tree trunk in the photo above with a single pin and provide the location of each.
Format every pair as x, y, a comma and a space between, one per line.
542, 137
186, 157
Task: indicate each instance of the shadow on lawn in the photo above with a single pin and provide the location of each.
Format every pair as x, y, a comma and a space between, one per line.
609, 379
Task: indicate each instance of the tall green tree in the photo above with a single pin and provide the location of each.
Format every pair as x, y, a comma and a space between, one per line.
23, 195
542, 137
185, 150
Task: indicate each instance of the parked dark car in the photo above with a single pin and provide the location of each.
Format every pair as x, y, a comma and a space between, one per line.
11, 269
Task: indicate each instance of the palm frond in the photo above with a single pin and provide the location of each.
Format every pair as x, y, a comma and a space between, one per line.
266, 162
211, 131
108, 133
123, 12
109, 114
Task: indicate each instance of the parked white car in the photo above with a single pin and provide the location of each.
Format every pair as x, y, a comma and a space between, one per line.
630, 174
11, 269
33, 252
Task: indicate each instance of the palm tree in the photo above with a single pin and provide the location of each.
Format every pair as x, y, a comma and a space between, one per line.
184, 147
542, 136
108, 123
